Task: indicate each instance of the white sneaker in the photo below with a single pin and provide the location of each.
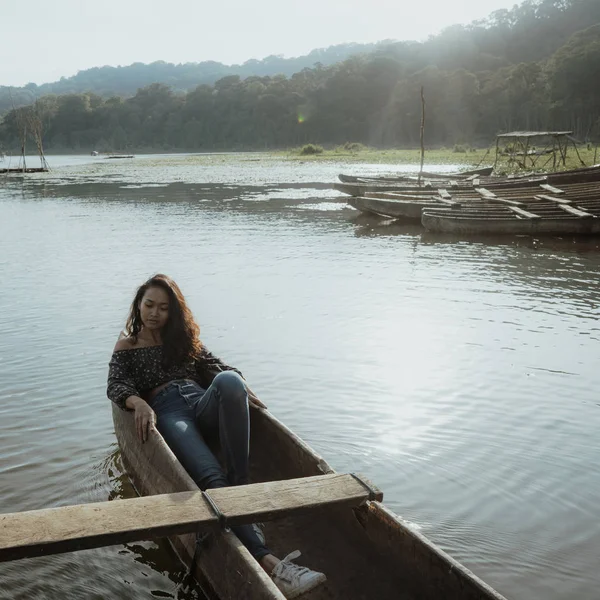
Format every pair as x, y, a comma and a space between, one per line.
294, 580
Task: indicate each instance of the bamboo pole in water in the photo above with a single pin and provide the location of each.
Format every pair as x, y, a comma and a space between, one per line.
422, 133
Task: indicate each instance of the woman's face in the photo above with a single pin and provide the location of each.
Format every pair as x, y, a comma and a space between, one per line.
154, 308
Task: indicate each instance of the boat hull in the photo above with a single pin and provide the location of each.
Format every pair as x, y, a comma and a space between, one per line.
395, 209
366, 553
508, 225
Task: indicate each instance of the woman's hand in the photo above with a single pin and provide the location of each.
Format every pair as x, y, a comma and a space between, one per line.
253, 399
145, 420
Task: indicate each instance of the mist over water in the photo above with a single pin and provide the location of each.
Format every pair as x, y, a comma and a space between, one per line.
460, 376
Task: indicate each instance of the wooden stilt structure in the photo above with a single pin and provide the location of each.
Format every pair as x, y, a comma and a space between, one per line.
35, 123
30, 124
517, 146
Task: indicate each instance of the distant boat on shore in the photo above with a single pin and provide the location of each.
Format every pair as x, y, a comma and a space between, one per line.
21, 170
120, 156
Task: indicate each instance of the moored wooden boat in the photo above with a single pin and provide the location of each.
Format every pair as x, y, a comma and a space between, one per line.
407, 210
484, 171
356, 186
408, 205
542, 222
21, 170
366, 553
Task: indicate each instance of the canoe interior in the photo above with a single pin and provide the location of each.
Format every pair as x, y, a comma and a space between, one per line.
366, 553
224, 568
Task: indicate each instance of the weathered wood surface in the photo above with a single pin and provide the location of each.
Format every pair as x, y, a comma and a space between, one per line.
450, 202
485, 192
491, 197
366, 552
395, 209
524, 213
552, 199
69, 528
577, 212
154, 469
475, 224
551, 188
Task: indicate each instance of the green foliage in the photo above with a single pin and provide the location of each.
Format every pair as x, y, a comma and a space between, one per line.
310, 149
354, 147
533, 67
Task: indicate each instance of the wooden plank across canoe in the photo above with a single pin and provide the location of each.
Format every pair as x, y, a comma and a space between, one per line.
444, 194
551, 188
69, 528
524, 213
577, 212
485, 192
489, 195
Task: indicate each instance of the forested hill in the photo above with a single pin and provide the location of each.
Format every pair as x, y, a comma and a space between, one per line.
125, 81
536, 66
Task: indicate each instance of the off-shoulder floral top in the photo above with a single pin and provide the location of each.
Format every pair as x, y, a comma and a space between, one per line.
136, 371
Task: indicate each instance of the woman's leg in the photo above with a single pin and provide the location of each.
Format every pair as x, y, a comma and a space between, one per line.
223, 411
176, 422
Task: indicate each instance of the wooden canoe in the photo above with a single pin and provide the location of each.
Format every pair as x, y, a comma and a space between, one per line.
406, 210
366, 553
356, 186
484, 171
459, 222
21, 170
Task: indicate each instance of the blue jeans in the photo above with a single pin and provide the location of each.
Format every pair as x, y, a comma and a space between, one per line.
188, 417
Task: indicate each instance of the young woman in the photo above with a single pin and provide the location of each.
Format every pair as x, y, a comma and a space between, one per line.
161, 370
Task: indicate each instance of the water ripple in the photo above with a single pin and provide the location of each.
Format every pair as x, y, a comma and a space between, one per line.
459, 376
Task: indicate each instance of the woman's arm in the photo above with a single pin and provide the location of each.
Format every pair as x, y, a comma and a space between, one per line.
208, 366
121, 390
145, 418
120, 385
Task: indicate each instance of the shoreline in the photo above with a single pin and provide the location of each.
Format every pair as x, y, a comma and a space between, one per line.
406, 156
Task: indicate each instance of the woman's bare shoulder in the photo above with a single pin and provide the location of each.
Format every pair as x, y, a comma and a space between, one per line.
124, 342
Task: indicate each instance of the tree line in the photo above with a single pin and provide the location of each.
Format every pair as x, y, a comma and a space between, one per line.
126, 80
536, 66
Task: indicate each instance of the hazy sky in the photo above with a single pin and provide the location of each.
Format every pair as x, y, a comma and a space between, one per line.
43, 40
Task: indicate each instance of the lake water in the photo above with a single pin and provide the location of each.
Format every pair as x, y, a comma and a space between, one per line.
461, 376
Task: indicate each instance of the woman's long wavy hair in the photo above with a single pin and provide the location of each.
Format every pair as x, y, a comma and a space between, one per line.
180, 335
